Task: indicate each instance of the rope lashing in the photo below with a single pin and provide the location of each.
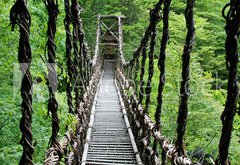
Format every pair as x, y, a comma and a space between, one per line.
70, 65
184, 91
19, 15
161, 67
232, 18
52, 8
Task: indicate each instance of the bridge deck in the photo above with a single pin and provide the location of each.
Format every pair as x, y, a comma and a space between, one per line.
109, 142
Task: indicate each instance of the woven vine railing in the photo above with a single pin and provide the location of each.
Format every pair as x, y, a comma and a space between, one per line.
84, 75
148, 134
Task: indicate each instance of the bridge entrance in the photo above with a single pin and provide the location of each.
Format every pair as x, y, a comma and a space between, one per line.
110, 35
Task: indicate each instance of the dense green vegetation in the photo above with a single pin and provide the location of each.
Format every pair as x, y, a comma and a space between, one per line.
208, 75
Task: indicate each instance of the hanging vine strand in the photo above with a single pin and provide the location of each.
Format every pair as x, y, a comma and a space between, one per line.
52, 8
154, 17
184, 91
81, 53
19, 15
142, 83
75, 22
70, 65
231, 45
161, 67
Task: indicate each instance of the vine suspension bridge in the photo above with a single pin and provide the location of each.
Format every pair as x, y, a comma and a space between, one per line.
114, 126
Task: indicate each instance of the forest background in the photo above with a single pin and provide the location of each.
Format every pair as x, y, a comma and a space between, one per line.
208, 72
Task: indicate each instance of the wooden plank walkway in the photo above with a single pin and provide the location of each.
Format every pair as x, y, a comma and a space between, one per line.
109, 141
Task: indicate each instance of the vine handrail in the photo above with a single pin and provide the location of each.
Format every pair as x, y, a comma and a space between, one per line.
143, 126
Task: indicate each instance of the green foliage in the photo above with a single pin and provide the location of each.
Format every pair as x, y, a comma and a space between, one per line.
206, 103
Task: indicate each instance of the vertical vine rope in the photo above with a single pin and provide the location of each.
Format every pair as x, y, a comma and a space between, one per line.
161, 67
142, 83
136, 72
184, 91
85, 77
231, 45
81, 50
52, 8
19, 15
75, 12
78, 89
70, 65
155, 17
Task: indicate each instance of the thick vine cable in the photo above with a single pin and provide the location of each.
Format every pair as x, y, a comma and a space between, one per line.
184, 91
52, 8
81, 59
19, 15
136, 72
142, 73
78, 38
75, 12
84, 56
70, 65
231, 45
154, 17
161, 67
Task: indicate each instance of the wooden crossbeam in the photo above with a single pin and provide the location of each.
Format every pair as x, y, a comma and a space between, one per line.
112, 26
109, 30
112, 17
